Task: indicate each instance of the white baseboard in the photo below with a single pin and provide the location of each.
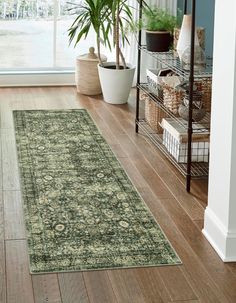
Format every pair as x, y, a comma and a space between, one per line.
37, 78
223, 241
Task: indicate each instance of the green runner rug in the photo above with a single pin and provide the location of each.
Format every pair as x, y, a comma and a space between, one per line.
81, 210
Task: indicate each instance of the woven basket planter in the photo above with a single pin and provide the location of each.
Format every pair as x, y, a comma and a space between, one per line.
86, 74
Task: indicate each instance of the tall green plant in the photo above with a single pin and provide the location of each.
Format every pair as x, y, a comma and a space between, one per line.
91, 14
122, 20
109, 18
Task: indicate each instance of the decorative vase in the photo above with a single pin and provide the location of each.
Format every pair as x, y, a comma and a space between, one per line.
201, 34
199, 59
185, 35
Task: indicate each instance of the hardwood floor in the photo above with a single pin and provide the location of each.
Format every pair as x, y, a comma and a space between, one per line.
203, 277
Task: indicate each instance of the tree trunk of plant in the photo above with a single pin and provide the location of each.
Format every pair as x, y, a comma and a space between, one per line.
99, 50
122, 59
117, 40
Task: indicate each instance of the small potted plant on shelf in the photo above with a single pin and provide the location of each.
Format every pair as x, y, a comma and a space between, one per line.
159, 25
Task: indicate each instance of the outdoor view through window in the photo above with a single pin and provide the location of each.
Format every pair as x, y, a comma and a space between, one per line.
33, 35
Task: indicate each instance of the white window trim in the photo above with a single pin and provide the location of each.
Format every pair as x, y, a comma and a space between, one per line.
37, 78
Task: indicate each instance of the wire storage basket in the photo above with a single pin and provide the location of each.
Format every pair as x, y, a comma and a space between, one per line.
175, 140
153, 113
172, 98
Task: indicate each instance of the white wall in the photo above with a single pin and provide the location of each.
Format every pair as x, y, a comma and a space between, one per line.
220, 215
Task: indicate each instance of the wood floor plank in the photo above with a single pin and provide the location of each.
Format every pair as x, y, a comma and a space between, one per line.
73, 288
152, 285
6, 98
127, 288
99, 287
176, 283
159, 163
161, 186
9, 161
1, 216
133, 153
194, 271
106, 132
13, 215
190, 260
188, 301
199, 189
2, 254
139, 160
19, 283
117, 113
232, 267
65, 98
199, 224
203, 249
46, 288
2, 273
1, 166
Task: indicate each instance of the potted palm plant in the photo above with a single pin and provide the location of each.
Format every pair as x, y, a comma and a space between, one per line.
117, 77
110, 19
159, 25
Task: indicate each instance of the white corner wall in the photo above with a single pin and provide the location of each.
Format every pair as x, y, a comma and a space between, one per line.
220, 215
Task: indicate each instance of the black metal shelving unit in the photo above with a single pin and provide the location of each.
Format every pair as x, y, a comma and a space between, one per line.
170, 59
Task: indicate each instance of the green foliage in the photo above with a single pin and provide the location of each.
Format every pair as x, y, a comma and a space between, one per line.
91, 14
156, 19
122, 19
109, 19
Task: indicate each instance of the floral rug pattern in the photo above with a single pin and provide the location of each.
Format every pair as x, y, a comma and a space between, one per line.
81, 210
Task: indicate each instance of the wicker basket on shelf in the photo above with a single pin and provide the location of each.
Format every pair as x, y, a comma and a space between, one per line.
172, 98
205, 87
153, 114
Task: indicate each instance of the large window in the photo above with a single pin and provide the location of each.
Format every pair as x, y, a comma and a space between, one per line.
33, 35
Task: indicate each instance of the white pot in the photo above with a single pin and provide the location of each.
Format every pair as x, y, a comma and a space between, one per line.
116, 84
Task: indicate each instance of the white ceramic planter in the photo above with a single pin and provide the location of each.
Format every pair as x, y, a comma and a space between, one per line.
116, 84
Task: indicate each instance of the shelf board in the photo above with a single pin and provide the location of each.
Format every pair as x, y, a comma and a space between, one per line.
198, 169
171, 60
205, 122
